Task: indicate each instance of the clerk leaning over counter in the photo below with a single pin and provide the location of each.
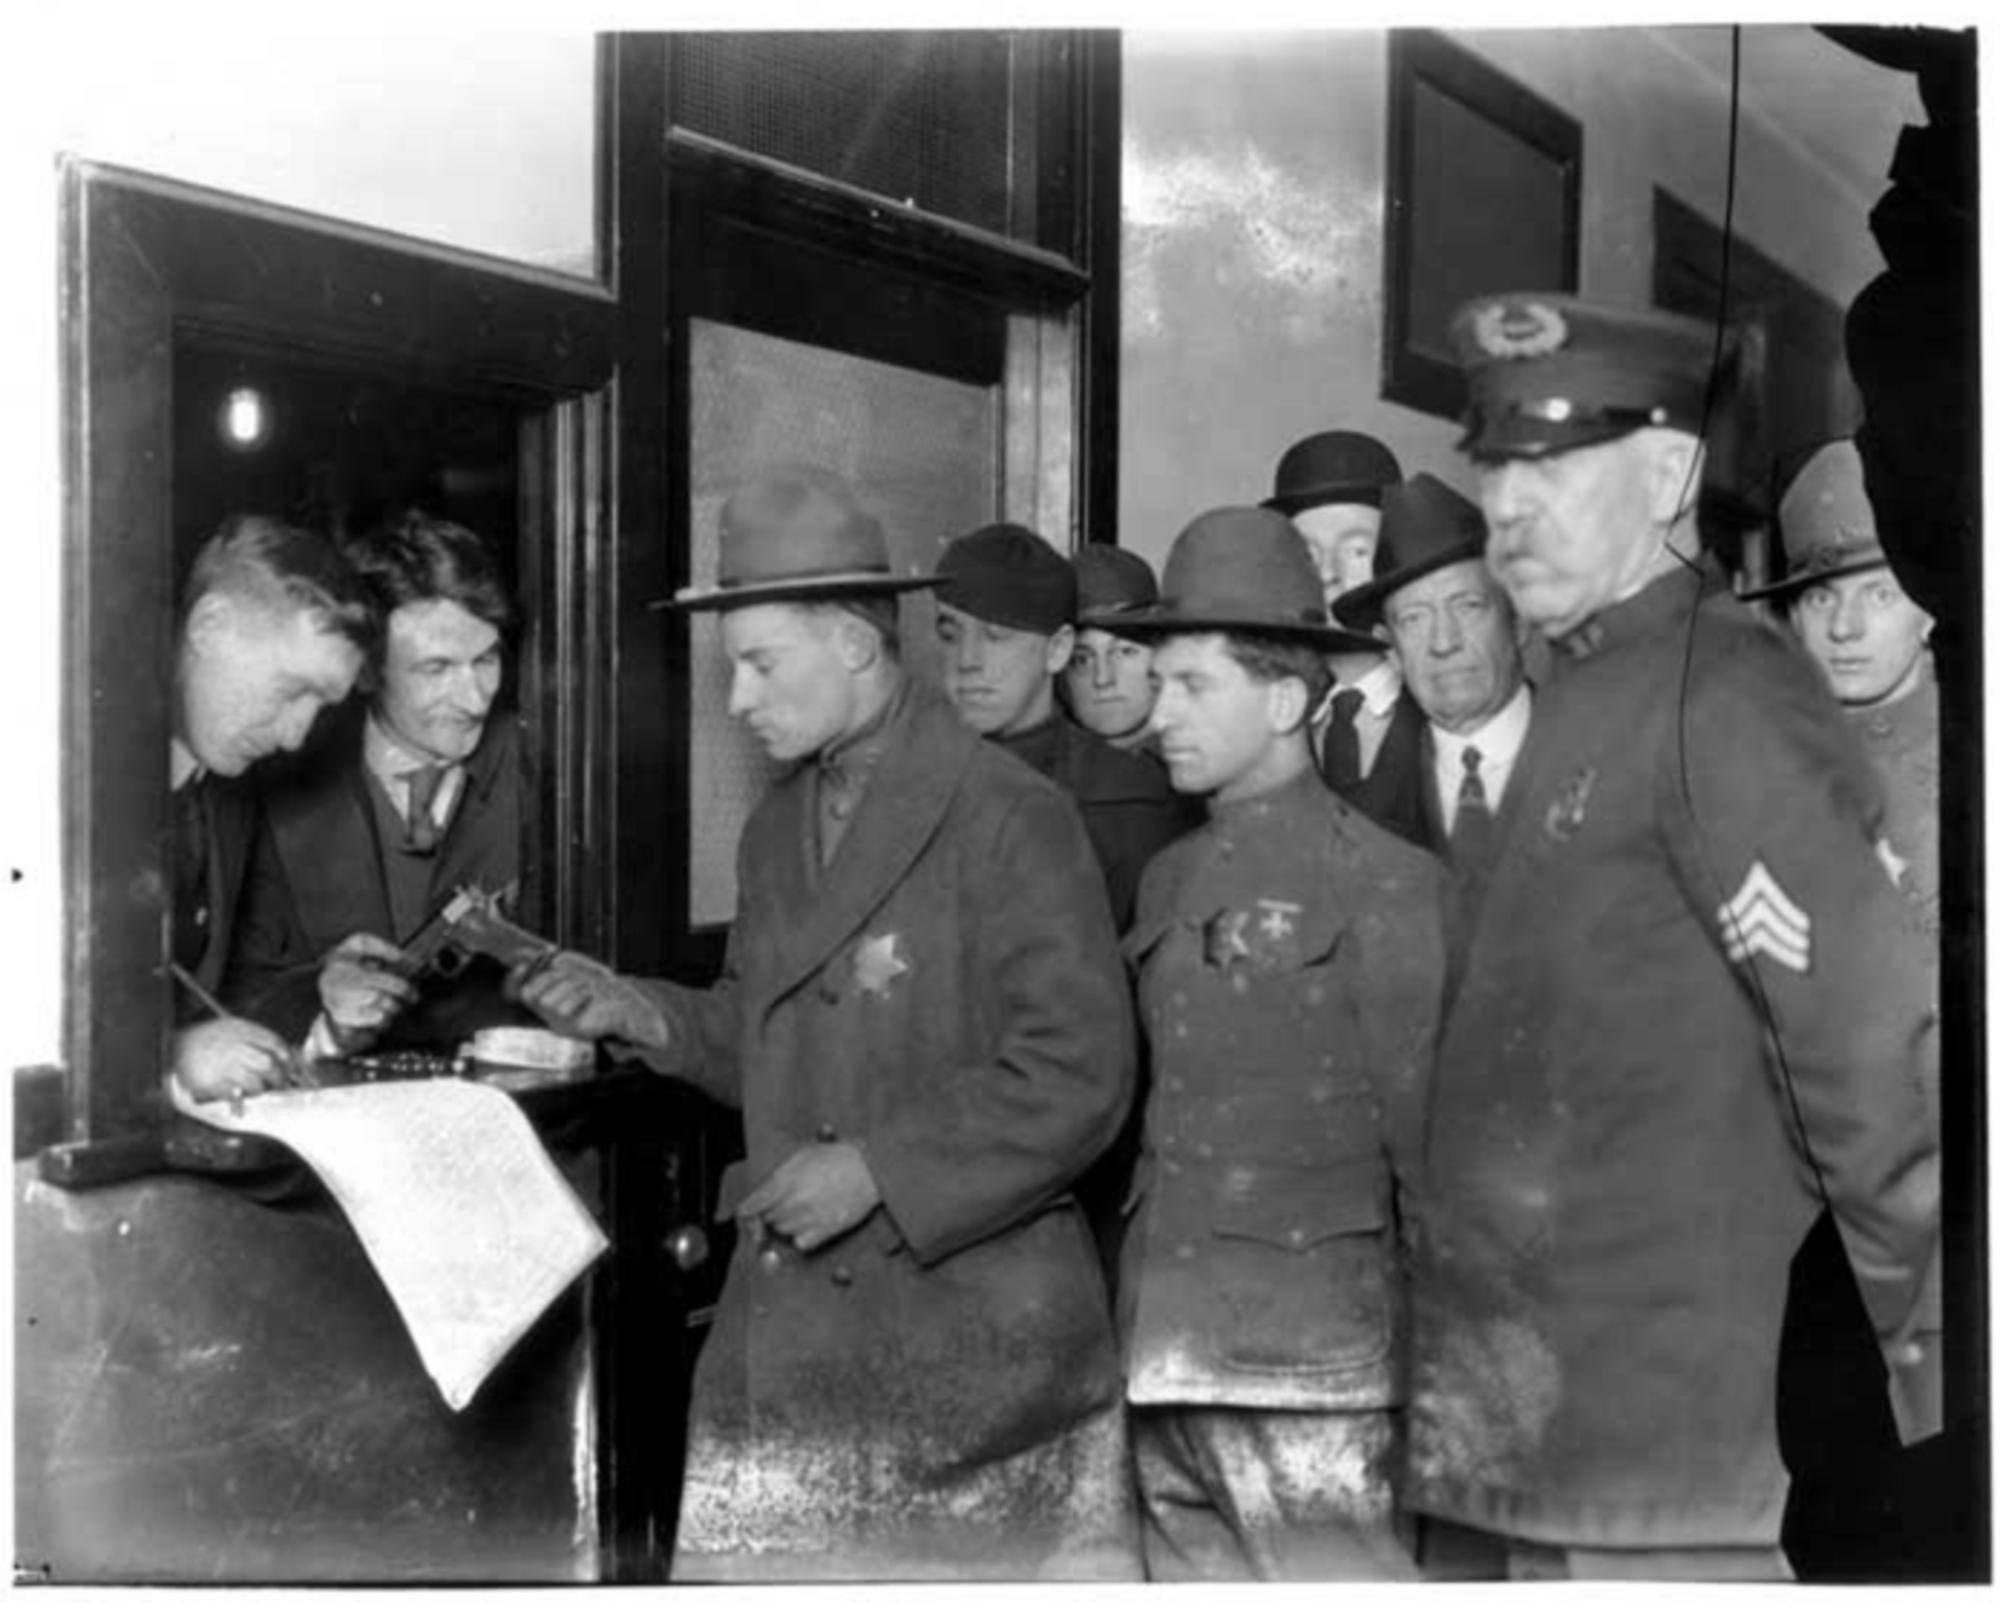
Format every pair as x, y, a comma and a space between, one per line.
1690, 1009
273, 628
912, 1373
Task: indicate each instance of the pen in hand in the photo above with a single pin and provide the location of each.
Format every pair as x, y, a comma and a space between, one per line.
295, 1069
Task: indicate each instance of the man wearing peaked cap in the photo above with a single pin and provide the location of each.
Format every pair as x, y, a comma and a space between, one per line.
921, 1091
1006, 619
1290, 959
1366, 732
1108, 683
1687, 1014
1454, 636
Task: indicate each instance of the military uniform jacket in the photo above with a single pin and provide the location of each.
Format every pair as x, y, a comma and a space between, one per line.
1617, 1169
936, 1392
1901, 740
1130, 807
316, 877
1290, 958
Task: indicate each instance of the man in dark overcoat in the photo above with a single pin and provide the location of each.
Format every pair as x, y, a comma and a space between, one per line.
1290, 957
414, 797
912, 1372
1006, 617
1690, 1014
274, 628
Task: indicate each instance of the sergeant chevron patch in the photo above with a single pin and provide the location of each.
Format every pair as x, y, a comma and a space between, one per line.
1760, 917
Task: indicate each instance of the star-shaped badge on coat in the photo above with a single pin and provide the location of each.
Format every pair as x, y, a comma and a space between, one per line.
877, 963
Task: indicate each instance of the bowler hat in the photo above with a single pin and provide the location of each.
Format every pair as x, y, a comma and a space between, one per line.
1825, 522
796, 534
1009, 575
1335, 467
1426, 525
1244, 570
1548, 373
1111, 585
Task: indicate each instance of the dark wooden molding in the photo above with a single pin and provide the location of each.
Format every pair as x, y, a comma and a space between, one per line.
148, 266
1412, 374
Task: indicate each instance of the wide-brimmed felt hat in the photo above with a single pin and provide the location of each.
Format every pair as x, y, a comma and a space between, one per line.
1244, 570
1426, 525
1826, 522
1007, 574
1549, 373
1336, 467
1112, 584
796, 534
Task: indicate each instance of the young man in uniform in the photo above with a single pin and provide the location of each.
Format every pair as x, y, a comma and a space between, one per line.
1849, 1476
273, 630
912, 1372
1367, 733
1108, 680
414, 799
1290, 959
1006, 618
1690, 1012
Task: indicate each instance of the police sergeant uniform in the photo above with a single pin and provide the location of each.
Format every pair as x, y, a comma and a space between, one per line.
1618, 1168
1290, 962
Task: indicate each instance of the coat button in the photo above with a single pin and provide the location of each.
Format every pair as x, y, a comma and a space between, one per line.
771, 1259
828, 1133
1296, 1236
1184, 1251
843, 1276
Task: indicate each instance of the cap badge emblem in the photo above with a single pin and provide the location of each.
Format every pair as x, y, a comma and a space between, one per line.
1519, 328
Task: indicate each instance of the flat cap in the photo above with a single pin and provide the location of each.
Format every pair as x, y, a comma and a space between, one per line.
1009, 575
1111, 584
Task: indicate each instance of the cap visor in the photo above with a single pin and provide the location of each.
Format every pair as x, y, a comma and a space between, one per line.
1532, 436
1792, 583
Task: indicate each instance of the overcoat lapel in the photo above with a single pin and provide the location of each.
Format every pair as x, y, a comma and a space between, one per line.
326, 842
912, 788
467, 833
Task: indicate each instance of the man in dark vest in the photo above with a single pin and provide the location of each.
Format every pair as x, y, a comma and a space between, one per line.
415, 797
273, 630
1366, 732
912, 1374
1006, 611
1457, 645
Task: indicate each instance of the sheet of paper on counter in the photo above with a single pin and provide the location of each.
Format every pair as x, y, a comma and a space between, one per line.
470, 1225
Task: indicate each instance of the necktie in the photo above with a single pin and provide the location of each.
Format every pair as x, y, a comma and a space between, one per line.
1472, 829
1340, 754
420, 831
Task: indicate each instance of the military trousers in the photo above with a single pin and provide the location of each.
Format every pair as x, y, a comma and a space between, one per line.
1238, 1494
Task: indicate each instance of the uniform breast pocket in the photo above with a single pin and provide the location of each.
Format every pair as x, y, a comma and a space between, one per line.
1305, 1271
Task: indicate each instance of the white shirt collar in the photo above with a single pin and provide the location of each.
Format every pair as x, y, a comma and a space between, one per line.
1380, 686
183, 766
1499, 739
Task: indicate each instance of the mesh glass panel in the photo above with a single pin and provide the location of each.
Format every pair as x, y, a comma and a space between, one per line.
914, 117
923, 453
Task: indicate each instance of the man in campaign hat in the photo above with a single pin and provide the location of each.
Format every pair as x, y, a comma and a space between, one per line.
1367, 732
1688, 1015
1290, 963
912, 1372
1457, 642
1108, 681
1873, 644
1006, 618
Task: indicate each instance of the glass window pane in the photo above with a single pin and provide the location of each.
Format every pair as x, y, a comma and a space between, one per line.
923, 118
923, 453
485, 141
